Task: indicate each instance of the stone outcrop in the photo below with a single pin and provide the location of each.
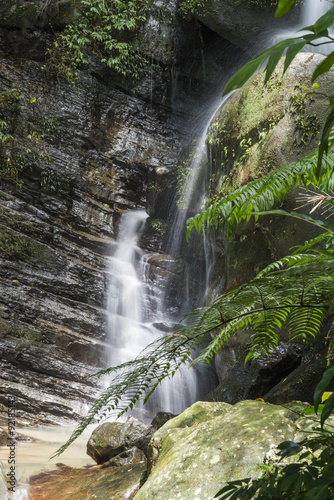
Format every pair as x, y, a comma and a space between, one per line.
255, 379
114, 438
78, 157
250, 24
192, 455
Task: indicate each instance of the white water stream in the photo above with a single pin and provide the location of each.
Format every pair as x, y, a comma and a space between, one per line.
134, 309
310, 12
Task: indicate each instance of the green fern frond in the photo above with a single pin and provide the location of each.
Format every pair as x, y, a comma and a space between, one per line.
261, 194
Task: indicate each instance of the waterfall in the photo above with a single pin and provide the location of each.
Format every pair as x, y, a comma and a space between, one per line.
137, 307
313, 9
135, 312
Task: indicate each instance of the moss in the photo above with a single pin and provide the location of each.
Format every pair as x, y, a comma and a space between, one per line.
21, 13
15, 329
16, 246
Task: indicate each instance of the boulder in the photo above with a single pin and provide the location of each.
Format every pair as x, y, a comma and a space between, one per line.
129, 456
301, 383
249, 23
114, 438
161, 418
192, 455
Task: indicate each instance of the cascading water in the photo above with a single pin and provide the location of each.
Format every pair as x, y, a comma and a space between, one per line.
137, 310
134, 308
313, 9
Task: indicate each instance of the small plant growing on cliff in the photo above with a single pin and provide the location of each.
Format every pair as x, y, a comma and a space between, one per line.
105, 30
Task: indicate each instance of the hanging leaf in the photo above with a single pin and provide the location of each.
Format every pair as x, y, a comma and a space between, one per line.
324, 66
322, 385
325, 21
283, 7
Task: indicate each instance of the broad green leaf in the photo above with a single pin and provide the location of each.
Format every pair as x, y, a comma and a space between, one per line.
324, 66
322, 385
244, 73
325, 21
283, 7
323, 148
328, 409
274, 58
291, 53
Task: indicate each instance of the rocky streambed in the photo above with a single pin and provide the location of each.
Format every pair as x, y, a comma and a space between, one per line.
189, 457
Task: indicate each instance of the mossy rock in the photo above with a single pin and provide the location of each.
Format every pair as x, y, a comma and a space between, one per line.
192, 455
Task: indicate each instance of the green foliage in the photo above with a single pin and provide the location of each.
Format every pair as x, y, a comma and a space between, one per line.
8, 101
261, 194
158, 226
310, 477
263, 4
187, 8
105, 29
308, 125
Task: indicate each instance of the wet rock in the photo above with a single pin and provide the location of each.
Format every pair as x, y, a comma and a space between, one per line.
5, 438
163, 37
246, 23
130, 456
255, 379
95, 148
160, 192
301, 383
119, 483
161, 418
114, 438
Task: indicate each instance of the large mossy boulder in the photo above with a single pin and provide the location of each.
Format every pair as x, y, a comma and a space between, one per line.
192, 455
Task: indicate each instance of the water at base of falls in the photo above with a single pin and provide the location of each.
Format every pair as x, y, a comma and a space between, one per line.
32, 456
134, 308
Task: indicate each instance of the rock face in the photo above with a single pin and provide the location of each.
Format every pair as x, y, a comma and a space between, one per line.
249, 24
254, 380
192, 455
75, 158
